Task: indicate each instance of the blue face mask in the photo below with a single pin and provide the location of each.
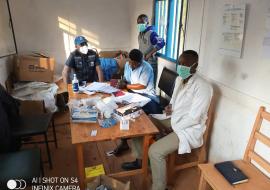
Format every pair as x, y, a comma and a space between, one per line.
141, 27
184, 71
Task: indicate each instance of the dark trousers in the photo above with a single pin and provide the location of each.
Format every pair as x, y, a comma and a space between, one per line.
152, 107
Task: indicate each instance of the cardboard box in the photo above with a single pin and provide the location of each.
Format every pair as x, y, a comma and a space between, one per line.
35, 67
108, 181
32, 107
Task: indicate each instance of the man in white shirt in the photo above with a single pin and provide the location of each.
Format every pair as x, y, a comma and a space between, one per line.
188, 109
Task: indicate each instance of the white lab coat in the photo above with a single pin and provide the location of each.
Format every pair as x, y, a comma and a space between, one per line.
190, 103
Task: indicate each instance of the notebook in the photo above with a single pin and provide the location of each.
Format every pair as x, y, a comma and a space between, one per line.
231, 173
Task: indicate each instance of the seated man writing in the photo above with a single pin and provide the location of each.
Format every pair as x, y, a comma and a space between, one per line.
139, 77
188, 109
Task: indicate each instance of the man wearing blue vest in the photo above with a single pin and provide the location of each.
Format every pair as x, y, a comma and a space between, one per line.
84, 62
149, 42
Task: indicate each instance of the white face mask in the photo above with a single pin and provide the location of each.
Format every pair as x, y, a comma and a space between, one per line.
84, 49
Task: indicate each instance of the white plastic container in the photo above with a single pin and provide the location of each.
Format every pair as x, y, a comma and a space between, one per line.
75, 84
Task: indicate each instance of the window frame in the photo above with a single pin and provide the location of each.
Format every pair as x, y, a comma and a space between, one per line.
170, 51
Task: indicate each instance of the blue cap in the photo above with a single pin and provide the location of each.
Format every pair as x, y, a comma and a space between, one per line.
80, 39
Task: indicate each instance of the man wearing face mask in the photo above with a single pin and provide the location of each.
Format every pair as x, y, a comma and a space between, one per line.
149, 42
84, 62
188, 109
139, 77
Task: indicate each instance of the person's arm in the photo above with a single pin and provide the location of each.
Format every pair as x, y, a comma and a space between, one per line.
168, 109
143, 79
157, 42
100, 73
135, 86
65, 73
147, 56
70, 64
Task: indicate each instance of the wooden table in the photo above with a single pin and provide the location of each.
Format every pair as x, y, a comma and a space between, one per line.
80, 134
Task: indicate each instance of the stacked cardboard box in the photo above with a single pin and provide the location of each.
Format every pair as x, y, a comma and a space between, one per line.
28, 68
34, 67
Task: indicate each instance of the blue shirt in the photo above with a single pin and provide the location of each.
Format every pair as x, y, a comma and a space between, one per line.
155, 40
142, 75
109, 67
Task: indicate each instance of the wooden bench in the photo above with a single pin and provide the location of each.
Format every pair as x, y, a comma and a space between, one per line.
210, 177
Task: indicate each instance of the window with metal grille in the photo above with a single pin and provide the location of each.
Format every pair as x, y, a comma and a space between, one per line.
170, 22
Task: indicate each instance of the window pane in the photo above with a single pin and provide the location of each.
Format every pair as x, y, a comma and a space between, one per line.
170, 20
161, 20
176, 26
183, 29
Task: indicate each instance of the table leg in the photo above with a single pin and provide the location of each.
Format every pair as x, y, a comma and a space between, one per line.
203, 183
146, 142
80, 161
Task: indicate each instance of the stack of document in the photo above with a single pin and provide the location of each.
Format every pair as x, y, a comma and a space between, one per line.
138, 99
100, 87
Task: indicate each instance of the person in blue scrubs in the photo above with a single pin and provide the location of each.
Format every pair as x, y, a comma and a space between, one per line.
139, 78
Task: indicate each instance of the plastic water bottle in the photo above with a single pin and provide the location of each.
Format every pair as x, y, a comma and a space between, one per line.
75, 84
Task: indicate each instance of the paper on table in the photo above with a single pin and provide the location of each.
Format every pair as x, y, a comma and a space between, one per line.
133, 98
161, 116
101, 87
88, 92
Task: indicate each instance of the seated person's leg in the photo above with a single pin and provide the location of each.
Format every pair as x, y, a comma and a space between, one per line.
157, 155
164, 127
137, 153
121, 148
137, 145
152, 107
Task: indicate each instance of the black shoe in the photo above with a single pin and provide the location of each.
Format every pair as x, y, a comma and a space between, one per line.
137, 164
121, 148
